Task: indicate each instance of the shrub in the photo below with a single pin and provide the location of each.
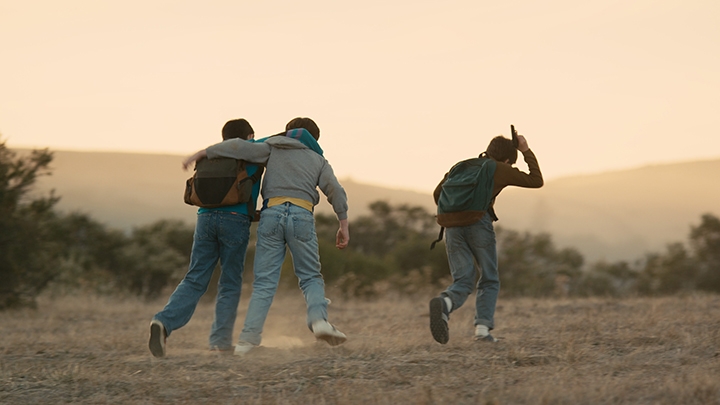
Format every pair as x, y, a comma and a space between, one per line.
29, 256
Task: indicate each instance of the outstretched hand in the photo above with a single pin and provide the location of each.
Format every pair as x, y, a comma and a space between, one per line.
343, 235
201, 154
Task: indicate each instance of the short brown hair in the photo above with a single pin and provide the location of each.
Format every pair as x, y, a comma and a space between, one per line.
306, 123
238, 128
502, 149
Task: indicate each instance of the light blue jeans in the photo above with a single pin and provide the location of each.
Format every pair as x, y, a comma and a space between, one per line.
281, 226
468, 246
218, 236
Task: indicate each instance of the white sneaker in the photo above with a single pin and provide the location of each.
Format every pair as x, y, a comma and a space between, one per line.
323, 330
242, 348
482, 333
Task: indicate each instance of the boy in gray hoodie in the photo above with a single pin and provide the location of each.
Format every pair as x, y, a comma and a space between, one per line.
295, 168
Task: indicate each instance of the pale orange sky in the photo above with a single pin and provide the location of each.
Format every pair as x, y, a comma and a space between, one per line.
401, 89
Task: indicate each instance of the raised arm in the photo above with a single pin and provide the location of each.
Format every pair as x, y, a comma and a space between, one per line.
507, 175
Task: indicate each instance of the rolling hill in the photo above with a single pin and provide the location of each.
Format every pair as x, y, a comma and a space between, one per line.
622, 214
614, 216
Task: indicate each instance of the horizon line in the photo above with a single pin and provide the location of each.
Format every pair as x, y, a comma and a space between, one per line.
350, 177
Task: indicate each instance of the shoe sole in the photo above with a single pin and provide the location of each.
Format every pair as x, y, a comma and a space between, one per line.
225, 352
243, 351
156, 345
332, 340
438, 325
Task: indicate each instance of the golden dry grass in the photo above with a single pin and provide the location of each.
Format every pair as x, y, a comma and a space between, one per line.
93, 350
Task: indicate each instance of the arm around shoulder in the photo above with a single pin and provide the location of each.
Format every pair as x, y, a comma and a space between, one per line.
255, 152
201, 154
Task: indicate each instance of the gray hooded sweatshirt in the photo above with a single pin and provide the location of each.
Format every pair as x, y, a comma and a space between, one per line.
292, 169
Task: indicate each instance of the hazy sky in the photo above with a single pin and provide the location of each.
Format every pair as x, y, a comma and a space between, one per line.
401, 89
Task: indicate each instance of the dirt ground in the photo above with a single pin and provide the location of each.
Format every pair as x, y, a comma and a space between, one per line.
91, 350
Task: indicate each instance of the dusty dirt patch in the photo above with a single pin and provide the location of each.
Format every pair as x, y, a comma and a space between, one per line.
94, 351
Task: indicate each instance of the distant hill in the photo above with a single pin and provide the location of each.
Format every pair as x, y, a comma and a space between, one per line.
615, 216
124, 190
618, 215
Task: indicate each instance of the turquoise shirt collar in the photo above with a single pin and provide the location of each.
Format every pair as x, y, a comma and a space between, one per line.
302, 135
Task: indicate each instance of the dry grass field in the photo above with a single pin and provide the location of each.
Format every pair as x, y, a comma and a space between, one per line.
91, 350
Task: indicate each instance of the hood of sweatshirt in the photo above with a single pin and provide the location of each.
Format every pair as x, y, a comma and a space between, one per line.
283, 142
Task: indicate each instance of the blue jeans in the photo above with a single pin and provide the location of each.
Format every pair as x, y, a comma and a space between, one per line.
467, 246
281, 226
218, 235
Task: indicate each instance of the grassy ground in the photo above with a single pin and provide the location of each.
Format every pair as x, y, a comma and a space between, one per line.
591, 351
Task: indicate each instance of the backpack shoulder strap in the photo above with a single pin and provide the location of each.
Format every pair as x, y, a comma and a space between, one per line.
440, 236
258, 173
242, 166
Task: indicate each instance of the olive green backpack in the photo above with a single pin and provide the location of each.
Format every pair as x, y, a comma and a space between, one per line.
221, 182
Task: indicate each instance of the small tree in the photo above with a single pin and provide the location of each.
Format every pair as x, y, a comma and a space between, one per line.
607, 279
28, 253
531, 265
386, 227
668, 273
705, 243
390, 244
156, 256
682, 269
90, 253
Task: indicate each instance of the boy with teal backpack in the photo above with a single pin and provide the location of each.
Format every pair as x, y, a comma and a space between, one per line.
465, 199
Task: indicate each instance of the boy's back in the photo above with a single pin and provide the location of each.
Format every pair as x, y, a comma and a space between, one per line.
293, 170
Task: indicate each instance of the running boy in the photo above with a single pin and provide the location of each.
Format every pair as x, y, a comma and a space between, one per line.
471, 240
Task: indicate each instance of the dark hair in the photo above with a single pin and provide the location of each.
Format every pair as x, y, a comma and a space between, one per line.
502, 149
238, 128
304, 122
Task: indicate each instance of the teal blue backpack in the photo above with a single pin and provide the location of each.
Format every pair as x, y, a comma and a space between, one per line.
468, 187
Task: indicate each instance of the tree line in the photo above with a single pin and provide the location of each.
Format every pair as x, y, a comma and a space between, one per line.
42, 248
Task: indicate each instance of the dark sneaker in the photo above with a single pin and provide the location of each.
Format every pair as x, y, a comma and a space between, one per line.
486, 338
323, 330
158, 337
439, 320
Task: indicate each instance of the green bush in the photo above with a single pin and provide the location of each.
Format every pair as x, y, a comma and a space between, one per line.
389, 250
29, 255
531, 265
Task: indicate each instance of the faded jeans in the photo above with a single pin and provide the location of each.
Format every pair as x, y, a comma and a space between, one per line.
218, 236
280, 226
467, 246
